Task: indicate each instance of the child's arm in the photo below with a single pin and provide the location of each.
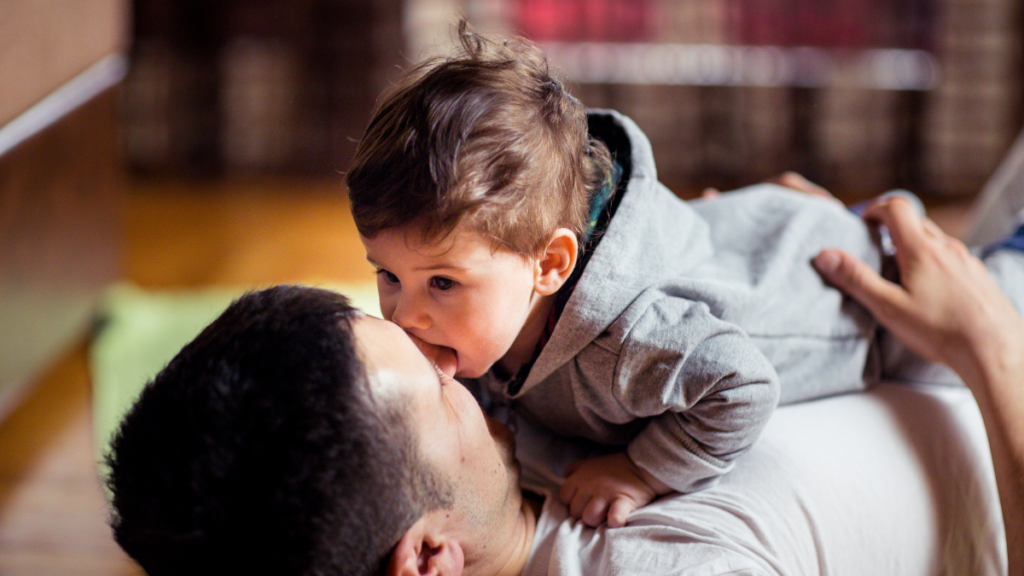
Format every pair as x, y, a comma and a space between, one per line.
705, 390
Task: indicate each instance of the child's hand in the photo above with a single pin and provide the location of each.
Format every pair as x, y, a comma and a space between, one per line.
608, 487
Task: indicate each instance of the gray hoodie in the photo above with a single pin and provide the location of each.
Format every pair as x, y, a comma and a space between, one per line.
692, 320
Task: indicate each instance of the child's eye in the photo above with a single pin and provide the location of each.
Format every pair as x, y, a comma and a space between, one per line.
391, 278
441, 283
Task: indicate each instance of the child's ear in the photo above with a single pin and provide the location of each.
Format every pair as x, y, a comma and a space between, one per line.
425, 551
557, 262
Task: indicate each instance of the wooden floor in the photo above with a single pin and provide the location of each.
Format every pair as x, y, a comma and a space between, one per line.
177, 235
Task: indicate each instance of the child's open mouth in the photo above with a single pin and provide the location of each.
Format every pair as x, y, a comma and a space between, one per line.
445, 358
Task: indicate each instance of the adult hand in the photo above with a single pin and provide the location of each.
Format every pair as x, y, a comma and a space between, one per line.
789, 179
800, 184
950, 310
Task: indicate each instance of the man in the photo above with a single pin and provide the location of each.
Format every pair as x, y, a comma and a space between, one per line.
298, 436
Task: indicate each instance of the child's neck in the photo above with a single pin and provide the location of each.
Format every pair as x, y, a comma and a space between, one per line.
525, 344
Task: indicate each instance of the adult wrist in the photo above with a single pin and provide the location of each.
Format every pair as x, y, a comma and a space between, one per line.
995, 364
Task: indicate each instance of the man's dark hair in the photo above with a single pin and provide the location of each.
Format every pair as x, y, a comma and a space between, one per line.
260, 449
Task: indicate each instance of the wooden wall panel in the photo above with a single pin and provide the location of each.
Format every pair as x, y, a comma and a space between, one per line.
59, 230
45, 43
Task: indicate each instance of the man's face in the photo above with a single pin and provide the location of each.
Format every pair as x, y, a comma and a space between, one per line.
472, 450
459, 294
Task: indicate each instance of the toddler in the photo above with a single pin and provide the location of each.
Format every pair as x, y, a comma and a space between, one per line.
527, 245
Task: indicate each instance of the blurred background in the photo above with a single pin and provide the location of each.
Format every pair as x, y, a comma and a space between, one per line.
859, 95
184, 144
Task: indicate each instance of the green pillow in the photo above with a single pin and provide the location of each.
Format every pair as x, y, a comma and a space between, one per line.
142, 330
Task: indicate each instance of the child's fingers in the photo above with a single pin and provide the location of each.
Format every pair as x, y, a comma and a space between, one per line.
567, 492
619, 511
579, 504
572, 468
595, 512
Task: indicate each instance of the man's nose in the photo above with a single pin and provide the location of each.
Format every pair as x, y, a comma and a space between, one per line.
410, 313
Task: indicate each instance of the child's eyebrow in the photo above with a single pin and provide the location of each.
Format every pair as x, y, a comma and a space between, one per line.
440, 266
432, 267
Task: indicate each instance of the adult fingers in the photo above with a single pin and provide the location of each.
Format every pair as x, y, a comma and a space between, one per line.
882, 298
932, 229
897, 214
800, 184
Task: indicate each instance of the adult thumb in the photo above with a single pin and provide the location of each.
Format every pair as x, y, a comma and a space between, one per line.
860, 282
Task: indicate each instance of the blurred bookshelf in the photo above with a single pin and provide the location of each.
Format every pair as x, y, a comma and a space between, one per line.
859, 95
255, 85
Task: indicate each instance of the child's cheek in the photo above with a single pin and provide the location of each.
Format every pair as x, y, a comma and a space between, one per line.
387, 305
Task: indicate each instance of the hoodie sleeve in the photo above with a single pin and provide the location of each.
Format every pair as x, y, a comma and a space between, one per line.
705, 388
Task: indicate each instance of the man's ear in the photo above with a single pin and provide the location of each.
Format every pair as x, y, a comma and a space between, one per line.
557, 262
425, 551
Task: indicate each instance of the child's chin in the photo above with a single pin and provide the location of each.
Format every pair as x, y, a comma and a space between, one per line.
469, 372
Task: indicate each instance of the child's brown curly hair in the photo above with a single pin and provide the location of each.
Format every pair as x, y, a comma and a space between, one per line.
488, 138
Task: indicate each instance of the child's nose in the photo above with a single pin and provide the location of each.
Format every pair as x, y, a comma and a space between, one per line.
409, 314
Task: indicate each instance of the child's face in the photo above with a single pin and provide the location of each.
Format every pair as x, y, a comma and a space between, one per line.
459, 294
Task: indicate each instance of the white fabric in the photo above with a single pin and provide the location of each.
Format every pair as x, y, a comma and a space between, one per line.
897, 480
